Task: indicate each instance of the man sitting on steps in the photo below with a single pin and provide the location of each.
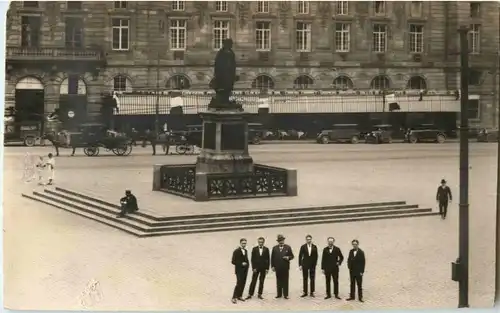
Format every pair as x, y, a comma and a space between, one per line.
128, 204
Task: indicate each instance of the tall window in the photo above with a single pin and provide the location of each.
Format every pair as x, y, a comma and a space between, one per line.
74, 5
416, 83
379, 38
379, 7
178, 34
121, 34
263, 6
342, 37
416, 8
178, 6
221, 32
473, 109
263, 36
263, 82
303, 7
30, 4
416, 37
221, 6
474, 38
303, 82
343, 82
30, 31
120, 4
303, 37
342, 8
178, 82
121, 83
73, 32
475, 9
380, 83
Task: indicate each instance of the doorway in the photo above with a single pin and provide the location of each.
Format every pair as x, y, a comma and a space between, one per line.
29, 102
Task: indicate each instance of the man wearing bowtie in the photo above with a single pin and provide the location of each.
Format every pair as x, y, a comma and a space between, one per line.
260, 267
356, 263
331, 260
308, 259
280, 263
240, 262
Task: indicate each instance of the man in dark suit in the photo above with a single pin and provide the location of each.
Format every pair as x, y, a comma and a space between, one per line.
260, 266
240, 262
308, 259
280, 263
442, 196
331, 260
356, 264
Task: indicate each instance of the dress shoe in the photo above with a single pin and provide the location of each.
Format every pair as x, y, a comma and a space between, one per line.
241, 299
328, 297
248, 298
277, 297
233, 301
260, 297
286, 298
337, 297
312, 295
304, 295
349, 299
361, 300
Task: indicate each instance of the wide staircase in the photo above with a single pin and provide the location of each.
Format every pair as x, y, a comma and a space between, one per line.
145, 224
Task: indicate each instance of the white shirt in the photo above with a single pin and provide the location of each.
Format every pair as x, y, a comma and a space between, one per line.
309, 247
243, 251
330, 249
51, 162
260, 250
355, 252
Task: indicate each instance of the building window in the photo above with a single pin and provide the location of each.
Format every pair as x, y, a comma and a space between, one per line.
379, 38
342, 8
74, 5
178, 6
121, 34
303, 37
221, 6
30, 4
263, 36
220, 32
473, 109
416, 83
474, 34
263, 6
380, 83
342, 37
343, 83
303, 7
475, 9
416, 38
263, 82
121, 83
73, 32
30, 31
303, 82
120, 4
416, 8
178, 82
474, 77
178, 34
379, 7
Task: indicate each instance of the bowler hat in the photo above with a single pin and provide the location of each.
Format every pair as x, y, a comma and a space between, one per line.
443, 181
280, 238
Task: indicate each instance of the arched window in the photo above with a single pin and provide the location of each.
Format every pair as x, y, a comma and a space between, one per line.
416, 82
303, 82
380, 83
122, 84
29, 82
73, 85
343, 83
263, 82
178, 82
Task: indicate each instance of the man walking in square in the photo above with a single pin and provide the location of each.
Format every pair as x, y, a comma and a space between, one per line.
331, 260
240, 262
443, 195
260, 267
308, 259
281, 256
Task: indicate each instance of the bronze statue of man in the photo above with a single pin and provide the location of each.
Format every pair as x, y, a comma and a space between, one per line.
225, 75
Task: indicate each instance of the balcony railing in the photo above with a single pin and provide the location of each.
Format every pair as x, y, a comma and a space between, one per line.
53, 54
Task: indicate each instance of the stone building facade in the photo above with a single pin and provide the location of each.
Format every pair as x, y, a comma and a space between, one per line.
145, 45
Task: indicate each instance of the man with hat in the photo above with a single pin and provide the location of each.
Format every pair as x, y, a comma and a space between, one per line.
442, 196
128, 204
281, 256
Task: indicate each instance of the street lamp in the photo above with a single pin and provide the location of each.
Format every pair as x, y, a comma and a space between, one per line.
460, 268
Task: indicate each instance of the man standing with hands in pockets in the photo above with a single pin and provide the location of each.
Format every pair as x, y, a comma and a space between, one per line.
240, 262
331, 260
356, 263
308, 259
280, 263
260, 266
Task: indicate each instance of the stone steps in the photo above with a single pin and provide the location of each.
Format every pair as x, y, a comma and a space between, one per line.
146, 224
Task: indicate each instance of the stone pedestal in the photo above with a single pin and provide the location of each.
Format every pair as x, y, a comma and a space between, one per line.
224, 143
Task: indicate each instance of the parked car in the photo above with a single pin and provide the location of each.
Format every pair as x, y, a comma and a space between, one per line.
340, 133
425, 133
381, 134
487, 135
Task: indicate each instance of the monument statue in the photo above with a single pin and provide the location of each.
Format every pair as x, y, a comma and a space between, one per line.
225, 77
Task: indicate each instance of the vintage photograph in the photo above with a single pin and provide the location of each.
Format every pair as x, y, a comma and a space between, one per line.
251, 155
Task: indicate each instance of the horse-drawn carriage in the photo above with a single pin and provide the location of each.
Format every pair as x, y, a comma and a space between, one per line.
186, 141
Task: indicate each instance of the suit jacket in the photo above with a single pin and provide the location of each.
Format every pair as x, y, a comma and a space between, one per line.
356, 263
443, 194
261, 262
238, 259
330, 262
277, 260
308, 261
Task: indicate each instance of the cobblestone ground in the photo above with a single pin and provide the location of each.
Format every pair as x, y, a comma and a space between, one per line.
52, 256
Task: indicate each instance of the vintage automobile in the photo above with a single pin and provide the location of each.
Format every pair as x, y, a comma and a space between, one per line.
425, 133
380, 134
27, 132
340, 133
487, 135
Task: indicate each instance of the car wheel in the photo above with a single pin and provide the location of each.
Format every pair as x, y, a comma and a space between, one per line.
440, 139
325, 140
355, 139
413, 139
389, 140
29, 141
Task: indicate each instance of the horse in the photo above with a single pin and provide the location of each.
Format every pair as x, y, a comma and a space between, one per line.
163, 139
60, 140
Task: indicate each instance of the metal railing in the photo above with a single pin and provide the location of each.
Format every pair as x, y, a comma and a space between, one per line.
53, 53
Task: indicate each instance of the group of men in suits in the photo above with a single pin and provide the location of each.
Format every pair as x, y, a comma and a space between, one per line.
278, 260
